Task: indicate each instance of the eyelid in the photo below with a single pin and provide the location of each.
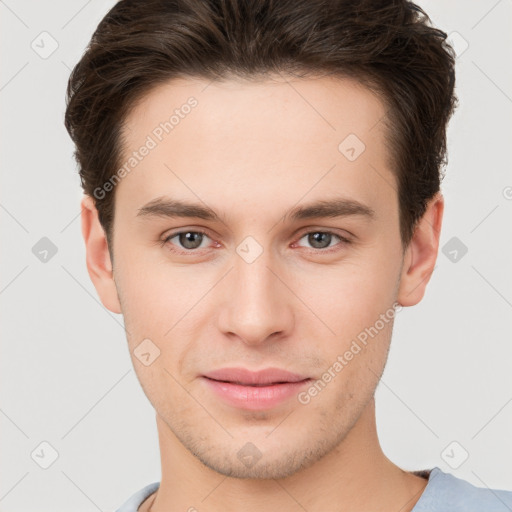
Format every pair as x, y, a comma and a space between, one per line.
332, 231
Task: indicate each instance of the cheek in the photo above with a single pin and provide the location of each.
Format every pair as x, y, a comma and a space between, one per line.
152, 294
163, 304
355, 364
351, 296
356, 302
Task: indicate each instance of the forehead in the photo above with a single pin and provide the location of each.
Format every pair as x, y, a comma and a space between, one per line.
241, 138
308, 106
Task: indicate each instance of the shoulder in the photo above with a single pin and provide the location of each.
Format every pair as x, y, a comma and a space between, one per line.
134, 502
447, 493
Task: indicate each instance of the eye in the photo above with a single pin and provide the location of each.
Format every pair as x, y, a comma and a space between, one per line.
187, 240
321, 240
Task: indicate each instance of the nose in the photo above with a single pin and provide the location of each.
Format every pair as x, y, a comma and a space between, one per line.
257, 306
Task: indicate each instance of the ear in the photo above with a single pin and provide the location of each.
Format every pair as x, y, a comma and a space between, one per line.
421, 254
98, 261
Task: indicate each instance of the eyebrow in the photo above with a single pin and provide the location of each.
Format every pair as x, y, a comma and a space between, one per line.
340, 207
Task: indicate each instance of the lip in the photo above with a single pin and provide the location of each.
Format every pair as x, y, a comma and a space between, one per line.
246, 377
259, 390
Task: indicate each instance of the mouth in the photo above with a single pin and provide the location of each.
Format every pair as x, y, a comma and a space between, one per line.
260, 390
265, 377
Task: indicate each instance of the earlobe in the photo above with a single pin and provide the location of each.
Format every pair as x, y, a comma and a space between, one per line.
98, 257
421, 254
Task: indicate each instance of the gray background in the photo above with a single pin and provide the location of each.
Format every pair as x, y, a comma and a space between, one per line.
67, 379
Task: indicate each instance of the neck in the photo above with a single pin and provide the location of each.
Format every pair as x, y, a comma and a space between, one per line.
355, 476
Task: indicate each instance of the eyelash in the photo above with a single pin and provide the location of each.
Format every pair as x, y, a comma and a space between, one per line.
343, 241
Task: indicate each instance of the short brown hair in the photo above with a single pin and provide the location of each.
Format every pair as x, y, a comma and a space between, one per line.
387, 45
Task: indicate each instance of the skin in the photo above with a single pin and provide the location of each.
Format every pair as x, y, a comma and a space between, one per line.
251, 151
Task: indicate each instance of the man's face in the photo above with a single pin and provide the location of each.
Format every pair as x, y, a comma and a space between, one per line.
260, 288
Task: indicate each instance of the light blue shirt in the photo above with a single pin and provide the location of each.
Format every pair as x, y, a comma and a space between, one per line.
443, 493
